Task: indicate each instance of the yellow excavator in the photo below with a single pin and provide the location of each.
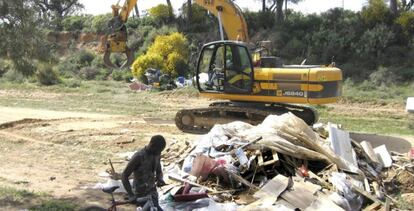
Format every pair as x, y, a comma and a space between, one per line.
115, 40
252, 85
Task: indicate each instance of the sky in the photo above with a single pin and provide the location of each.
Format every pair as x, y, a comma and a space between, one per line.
96, 7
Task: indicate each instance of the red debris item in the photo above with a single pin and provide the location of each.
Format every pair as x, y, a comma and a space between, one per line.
183, 194
411, 154
138, 86
221, 162
203, 166
303, 171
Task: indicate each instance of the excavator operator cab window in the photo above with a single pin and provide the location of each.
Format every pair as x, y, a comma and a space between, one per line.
225, 67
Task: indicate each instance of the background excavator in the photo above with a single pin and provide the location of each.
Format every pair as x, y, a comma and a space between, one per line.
253, 85
115, 40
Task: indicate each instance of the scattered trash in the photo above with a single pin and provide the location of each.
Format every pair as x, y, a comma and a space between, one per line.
281, 164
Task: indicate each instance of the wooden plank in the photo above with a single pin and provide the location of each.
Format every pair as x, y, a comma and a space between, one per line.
177, 178
387, 204
322, 181
366, 194
275, 159
242, 180
374, 206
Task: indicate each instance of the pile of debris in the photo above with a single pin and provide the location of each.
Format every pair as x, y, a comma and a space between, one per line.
280, 164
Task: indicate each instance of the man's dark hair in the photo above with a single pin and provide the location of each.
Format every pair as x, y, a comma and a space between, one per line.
157, 144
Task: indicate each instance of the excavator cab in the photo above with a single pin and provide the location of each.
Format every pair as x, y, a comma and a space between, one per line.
225, 67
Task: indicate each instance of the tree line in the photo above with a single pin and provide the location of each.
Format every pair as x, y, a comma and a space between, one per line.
378, 40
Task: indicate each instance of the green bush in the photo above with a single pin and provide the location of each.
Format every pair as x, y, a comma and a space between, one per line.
103, 74
75, 23
135, 40
383, 77
24, 66
98, 62
85, 58
13, 75
89, 73
100, 23
72, 83
46, 75
122, 75
71, 65
4, 66
68, 69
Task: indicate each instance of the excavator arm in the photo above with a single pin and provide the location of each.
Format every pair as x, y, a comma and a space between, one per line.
116, 38
126, 9
230, 16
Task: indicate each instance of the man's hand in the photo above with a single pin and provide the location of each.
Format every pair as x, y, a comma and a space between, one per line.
161, 183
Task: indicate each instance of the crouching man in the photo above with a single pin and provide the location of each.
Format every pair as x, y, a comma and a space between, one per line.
146, 166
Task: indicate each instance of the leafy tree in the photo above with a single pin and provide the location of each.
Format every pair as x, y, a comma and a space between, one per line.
189, 11
406, 21
161, 13
376, 12
276, 6
100, 23
170, 10
77, 22
407, 5
373, 45
57, 10
22, 41
196, 18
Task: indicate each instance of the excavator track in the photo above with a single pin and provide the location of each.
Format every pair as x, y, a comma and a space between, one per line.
201, 120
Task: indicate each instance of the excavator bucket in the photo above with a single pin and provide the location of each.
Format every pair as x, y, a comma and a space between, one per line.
110, 64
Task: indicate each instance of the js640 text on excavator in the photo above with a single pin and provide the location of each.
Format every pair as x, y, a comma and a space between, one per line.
225, 71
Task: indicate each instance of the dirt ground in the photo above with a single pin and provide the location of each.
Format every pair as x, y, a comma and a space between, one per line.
62, 153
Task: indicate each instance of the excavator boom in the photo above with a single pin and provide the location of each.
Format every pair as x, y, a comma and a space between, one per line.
231, 16
126, 9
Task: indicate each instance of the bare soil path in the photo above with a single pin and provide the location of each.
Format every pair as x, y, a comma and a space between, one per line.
62, 153
9, 114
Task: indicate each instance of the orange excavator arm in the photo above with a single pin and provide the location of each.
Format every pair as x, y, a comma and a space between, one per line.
230, 16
